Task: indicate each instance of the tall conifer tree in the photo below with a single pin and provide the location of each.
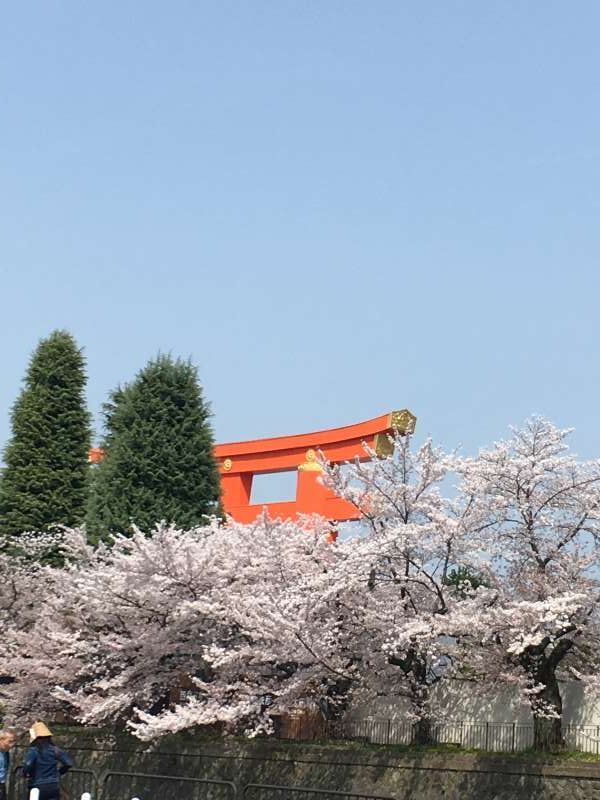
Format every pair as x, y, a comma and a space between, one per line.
159, 462
45, 478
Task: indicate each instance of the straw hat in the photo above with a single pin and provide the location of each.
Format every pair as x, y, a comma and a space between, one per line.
38, 729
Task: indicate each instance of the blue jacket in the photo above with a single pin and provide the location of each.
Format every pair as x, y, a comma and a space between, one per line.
4, 773
43, 765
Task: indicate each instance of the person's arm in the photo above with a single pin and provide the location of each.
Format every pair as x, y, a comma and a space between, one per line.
29, 763
65, 760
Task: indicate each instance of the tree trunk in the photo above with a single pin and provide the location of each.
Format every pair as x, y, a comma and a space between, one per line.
547, 734
547, 731
422, 732
414, 666
541, 667
333, 703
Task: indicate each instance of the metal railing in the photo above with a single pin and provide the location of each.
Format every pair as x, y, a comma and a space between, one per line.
125, 785
501, 737
265, 791
150, 786
75, 783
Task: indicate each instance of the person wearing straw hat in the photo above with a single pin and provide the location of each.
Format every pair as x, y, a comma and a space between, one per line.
45, 763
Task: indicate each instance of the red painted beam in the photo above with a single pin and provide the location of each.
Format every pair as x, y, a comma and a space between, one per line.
240, 461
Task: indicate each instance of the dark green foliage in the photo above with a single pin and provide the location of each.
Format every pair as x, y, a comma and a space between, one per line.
159, 462
45, 479
459, 578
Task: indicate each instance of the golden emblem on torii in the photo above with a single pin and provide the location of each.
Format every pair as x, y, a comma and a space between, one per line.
399, 423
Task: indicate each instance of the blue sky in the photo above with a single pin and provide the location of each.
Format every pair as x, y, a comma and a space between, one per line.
335, 208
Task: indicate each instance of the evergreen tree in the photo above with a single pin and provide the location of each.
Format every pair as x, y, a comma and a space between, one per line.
45, 478
159, 462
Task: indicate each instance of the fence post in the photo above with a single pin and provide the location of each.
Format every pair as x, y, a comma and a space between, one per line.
514, 730
387, 736
487, 735
34, 794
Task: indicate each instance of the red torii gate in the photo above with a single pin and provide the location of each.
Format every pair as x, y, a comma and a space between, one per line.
239, 462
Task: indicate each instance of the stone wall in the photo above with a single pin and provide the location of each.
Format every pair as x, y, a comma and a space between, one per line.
370, 770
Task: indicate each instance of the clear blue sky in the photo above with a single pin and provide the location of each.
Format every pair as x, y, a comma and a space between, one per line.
335, 208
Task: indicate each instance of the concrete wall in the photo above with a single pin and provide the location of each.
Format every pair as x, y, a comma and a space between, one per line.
373, 771
464, 702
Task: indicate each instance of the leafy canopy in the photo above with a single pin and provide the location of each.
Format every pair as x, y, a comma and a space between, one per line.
159, 462
45, 480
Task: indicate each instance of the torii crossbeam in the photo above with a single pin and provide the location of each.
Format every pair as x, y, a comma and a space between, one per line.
239, 462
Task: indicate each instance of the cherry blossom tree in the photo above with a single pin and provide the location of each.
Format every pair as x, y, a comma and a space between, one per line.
271, 650
405, 614
26, 580
225, 609
540, 509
